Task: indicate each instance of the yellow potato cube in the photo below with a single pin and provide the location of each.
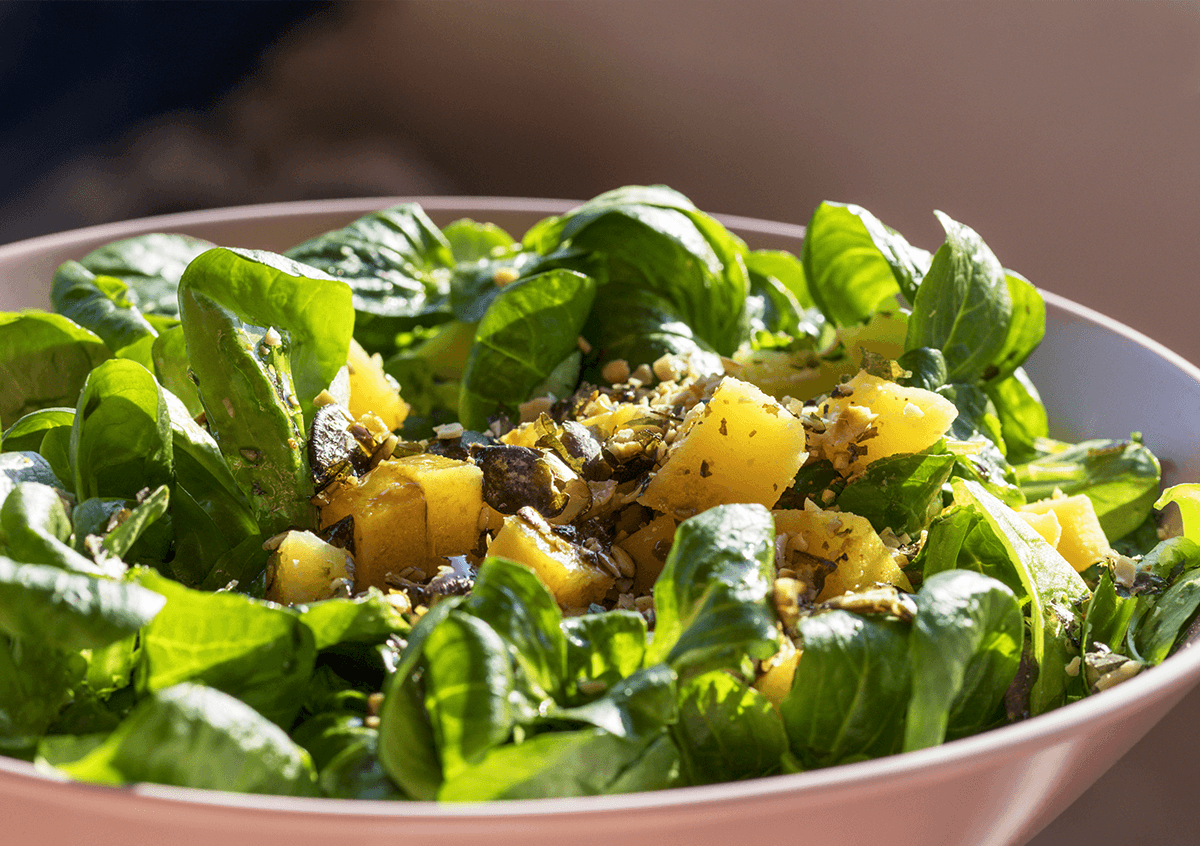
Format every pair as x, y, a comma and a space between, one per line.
389, 524
373, 390
648, 547
453, 493
740, 446
304, 568
1082, 541
1045, 523
869, 418
845, 540
409, 512
775, 678
561, 565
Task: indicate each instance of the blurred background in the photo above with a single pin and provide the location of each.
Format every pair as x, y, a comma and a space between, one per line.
1064, 133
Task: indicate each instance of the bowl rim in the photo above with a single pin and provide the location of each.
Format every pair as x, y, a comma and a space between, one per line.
1175, 675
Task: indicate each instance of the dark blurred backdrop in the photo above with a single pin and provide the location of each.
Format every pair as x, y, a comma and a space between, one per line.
1064, 133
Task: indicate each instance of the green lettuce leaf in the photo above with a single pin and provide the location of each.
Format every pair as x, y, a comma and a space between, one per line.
191, 736
71, 611
44, 361
396, 263
1055, 591
964, 649
964, 307
529, 328
712, 599
851, 689
855, 265
727, 731
150, 267
261, 653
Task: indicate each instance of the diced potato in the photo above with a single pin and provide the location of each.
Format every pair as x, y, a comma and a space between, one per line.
389, 523
847, 541
869, 418
453, 499
528, 539
409, 512
373, 390
304, 568
1082, 541
1045, 523
648, 547
775, 679
740, 446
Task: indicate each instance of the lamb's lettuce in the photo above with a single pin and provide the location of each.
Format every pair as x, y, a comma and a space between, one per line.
28, 433
149, 456
606, 647
657, 239
712, 598
264, 337
1161, 617
67, 610
1022, 416
396, 263
149, 267
468, 682
118, 525
100, 304
367, 618
193, 736
855, 264
122, 437
530, 328
851, 689
963, 306
36, 682
902, 492
638, 326
1053, 589
256, 651
727, 731
18, 467
584, 762
44, 361
1186, 498
965, 648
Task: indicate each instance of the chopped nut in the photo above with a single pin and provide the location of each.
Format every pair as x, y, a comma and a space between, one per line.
1124, 570
616, 371
625, 564
642, 375
533, 409
669, 368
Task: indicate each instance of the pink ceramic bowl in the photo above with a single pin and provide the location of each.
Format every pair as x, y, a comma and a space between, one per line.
1098, 378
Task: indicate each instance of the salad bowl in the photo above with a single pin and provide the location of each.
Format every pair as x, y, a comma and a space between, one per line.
1097, 378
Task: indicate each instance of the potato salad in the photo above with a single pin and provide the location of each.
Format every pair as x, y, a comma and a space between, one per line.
620, 503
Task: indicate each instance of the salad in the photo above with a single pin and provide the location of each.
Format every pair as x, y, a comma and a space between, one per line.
624, 504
